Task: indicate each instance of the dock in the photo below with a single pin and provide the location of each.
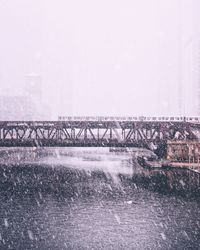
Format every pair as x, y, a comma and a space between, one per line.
191, 166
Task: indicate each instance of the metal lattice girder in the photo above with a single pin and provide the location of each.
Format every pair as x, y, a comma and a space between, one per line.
93, 133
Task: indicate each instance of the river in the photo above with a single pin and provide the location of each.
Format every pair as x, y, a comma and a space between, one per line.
94, 199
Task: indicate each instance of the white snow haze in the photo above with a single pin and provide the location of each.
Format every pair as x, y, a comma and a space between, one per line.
108, 57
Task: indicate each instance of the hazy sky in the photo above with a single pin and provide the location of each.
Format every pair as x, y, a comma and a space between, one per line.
108, 57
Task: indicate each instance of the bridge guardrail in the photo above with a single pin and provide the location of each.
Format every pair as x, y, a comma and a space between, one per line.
194, 119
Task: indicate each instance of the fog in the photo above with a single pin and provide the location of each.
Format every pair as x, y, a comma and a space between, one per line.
131, 57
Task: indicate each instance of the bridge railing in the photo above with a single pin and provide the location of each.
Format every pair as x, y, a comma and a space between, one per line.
193, 119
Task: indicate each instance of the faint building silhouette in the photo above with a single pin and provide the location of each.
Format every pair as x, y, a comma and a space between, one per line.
27, 105
33, 87
17, 108
33, 90
22, 108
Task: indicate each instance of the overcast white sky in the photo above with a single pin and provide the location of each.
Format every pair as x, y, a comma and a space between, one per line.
108, 57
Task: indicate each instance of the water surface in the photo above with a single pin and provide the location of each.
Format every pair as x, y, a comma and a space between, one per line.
95, 200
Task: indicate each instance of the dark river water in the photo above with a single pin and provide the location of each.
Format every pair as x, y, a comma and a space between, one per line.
93, 199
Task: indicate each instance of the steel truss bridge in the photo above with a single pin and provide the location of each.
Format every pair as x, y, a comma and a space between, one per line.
88, 132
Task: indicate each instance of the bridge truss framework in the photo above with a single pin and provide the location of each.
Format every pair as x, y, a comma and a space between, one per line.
94, 133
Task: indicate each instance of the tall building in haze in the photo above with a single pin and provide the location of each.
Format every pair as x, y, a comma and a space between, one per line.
34, 90
33, 87
190, 58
